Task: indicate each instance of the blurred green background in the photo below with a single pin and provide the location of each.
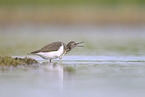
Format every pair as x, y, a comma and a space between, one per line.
72, 11
108, 27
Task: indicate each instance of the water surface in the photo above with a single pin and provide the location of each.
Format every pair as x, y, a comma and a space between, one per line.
112, 63
77, 76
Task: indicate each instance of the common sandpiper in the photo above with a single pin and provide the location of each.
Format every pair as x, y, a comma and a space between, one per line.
56, 50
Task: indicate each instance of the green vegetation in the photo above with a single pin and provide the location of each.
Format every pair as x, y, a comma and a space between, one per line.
69, 69
9, 61
72, 11
70, 2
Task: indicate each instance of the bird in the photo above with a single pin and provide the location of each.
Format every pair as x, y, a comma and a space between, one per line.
56, 50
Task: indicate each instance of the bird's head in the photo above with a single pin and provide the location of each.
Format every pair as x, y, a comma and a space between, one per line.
72, 45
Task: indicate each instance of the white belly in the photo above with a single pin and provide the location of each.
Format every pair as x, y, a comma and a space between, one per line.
52, 54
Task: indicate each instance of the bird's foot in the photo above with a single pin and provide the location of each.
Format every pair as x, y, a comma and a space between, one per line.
60, 57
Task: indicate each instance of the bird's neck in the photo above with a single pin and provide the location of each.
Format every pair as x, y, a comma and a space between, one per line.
66, 48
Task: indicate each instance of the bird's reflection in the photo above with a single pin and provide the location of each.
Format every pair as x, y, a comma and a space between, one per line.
58, 66
58, 71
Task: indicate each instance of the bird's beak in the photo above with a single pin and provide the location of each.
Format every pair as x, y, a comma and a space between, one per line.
80, 43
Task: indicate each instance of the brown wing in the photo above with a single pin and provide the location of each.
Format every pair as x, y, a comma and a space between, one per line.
50, 47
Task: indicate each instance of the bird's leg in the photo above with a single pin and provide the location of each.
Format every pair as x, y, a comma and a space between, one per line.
60, 57
50, 60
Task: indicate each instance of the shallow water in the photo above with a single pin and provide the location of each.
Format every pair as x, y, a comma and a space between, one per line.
77, 76
112, 63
